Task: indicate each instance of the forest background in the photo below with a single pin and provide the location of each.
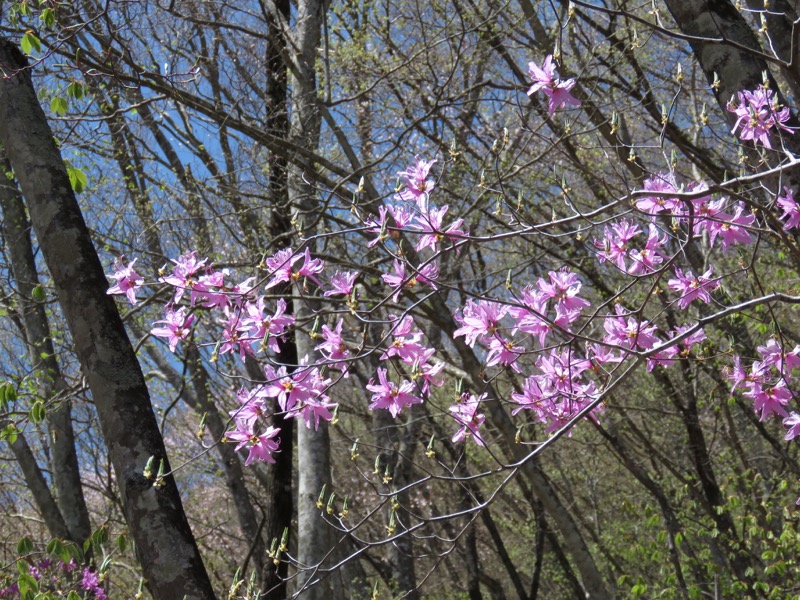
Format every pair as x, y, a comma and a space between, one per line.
620, 443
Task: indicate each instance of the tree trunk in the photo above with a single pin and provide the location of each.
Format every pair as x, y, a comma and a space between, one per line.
313, 446
165, 546
66, 474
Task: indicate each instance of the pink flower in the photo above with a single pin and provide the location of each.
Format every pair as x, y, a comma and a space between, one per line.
692, 286
465, 412
264, 328
758, 112
770, 400
614, 245
648, 258
262, 447
389, 396
333, 348
418, 186
282, 263
252, 409
342, 283
177, 326
503, 352
652, 205
626, 331
128, 280
234, 338
430, 225
731, 229
790, 209
184, 274
555, 89
479, 318
793, 423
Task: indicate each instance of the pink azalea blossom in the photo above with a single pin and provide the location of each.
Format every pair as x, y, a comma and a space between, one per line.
692, 287
262, 447
430, 224
128, 280
282, 266
234, 335
264, 328
342, 283
793, 423
503, 352
653, 205
177, 326
466, 414
418, 186
555, 89
770, 400
647, 259
478, 319
790, 209
390, 396
185, 274
627, 331
252, 407
731, 229
333, 348
757, 112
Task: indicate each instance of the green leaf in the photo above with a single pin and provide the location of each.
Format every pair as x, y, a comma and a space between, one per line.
38, 293
30, 42
59, 105
122, 542
24, 546
75, 90
100, 536
77, 179
27, 584
56, 548
73, 595
48, 17
9, 433
38, 412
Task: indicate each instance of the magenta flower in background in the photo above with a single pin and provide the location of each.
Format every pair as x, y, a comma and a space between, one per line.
333, 348
555, 89
128, 280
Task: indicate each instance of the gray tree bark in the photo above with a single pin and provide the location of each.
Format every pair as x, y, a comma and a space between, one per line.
164, 543
313, 446
64, 459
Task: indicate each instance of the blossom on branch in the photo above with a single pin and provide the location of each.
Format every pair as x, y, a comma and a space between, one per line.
757, 112
128, 280
557, 90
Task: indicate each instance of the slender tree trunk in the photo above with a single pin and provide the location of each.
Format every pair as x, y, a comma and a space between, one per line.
66, 474
313, 446
164, 542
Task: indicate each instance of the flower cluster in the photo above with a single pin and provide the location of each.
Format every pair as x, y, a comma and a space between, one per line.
58, 577
531, 333
757, 112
